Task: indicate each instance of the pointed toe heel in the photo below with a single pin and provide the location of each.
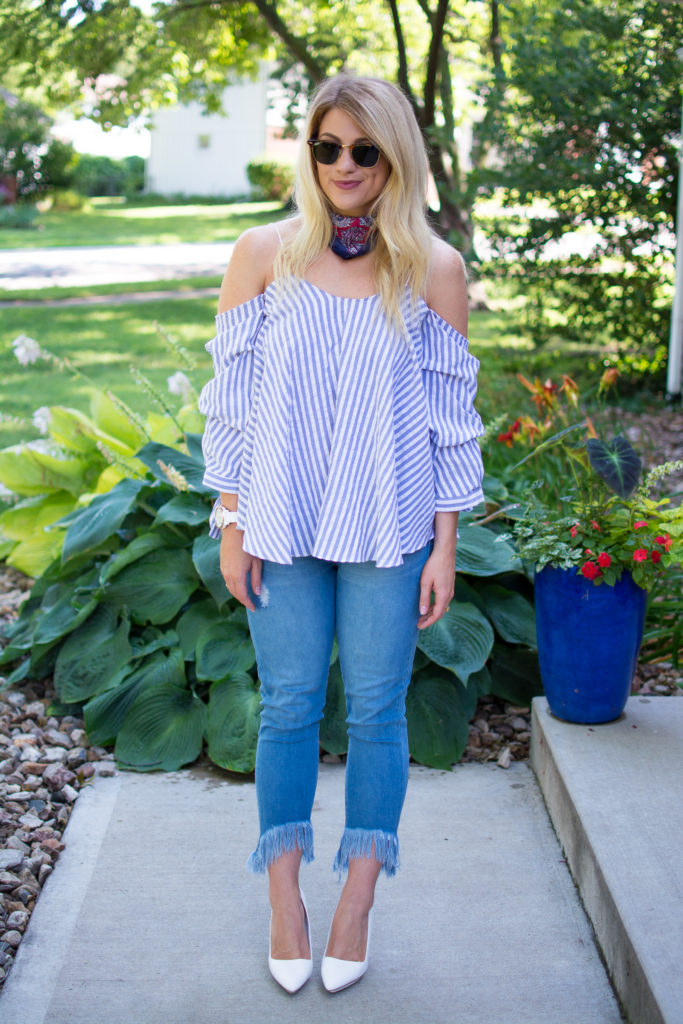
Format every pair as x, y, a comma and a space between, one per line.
340, 974
292, 974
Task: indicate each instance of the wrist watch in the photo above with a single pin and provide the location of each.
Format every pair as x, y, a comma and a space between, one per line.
223, 516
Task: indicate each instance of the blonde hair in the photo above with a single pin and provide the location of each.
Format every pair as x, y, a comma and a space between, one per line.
403, 237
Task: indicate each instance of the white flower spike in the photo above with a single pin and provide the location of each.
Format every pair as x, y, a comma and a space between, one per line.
179, 384
42, 418
26, 349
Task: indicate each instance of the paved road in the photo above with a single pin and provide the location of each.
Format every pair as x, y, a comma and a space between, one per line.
97, 265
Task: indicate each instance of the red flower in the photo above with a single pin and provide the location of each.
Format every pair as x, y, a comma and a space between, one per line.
656, 556
640, 555
595, 525
604, 560
574, 530
590, 570
665, 541
639, 523
516, 427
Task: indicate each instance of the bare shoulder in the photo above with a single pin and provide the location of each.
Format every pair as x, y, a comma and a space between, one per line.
250, 269
446, 291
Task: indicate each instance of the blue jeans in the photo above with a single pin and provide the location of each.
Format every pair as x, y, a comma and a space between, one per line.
374, 613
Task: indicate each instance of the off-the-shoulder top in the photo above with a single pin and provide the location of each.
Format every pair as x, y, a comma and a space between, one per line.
340, 435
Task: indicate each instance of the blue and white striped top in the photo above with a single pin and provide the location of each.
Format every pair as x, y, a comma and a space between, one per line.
340, 436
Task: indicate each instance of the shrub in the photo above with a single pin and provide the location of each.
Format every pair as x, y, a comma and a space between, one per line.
272, 179
18, 215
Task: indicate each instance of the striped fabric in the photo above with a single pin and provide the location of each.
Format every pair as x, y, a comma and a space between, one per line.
340, 437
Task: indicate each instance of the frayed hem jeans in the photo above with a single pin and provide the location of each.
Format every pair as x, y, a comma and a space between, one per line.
373, 612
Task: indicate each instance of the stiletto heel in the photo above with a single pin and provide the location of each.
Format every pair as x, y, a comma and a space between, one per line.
292, 974
338, 974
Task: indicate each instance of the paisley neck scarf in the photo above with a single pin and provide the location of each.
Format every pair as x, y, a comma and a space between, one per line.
353, 236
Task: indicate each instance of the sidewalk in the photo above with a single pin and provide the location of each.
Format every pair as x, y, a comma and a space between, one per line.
74, 266
150, 917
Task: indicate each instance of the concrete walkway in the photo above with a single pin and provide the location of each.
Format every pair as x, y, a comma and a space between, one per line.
74, 266
615, 796
150, 918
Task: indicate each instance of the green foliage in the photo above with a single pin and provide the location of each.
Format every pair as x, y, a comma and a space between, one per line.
18, 216
104, 176
584, 116
271, 178
23, 135
131, 614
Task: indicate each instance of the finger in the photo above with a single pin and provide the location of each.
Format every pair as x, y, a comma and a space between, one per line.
256, 571
239, 590
426, 584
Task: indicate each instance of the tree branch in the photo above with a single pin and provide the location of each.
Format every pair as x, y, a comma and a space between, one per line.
297, 46
435, 45
403, 80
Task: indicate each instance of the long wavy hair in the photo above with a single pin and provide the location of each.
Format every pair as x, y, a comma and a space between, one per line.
403, 236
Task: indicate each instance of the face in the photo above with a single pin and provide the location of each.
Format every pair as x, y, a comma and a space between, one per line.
350, 189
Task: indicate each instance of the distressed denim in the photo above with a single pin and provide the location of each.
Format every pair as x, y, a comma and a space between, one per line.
373, 613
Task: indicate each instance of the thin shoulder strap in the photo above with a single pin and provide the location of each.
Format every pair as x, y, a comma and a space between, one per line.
277, 231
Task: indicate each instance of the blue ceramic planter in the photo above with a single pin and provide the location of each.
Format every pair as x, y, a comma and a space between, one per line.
588, 642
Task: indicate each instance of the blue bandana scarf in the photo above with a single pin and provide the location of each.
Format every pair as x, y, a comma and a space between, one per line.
352, 236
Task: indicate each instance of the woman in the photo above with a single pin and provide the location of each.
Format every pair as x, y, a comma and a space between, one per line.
341, 436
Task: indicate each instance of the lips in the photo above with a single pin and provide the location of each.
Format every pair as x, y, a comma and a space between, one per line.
346, 185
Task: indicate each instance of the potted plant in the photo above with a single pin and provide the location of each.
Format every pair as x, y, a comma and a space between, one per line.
597, 547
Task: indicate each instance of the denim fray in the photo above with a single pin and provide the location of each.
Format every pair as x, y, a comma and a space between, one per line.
295, 835
359, 842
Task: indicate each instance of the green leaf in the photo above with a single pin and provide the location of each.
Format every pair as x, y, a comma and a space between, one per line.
334, 737
460, 641
512, 615
137, 548
616, 463
61, 611
163, 730
193, 622
90, 526
515, 675
481, 553
206, 558
233, 722
29, 471
223, 649
23, 520
33, 555
192, 470
438, 709
156, 586
189, 509
104, 714
548, 443
92, 655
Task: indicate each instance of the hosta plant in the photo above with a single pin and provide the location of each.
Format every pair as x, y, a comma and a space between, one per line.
131, 617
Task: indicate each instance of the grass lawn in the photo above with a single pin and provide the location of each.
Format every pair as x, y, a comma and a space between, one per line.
108, 222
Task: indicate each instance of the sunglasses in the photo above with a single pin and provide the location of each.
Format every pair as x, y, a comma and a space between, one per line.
363, 154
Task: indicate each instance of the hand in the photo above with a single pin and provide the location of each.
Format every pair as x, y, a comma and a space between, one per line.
437, 579
237, 565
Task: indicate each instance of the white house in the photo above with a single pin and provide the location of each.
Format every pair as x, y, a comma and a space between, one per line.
193, 153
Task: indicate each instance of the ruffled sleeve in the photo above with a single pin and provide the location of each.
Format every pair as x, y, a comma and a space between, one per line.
449, 376
226, 399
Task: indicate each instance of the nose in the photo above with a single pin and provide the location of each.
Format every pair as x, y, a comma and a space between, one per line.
345, 161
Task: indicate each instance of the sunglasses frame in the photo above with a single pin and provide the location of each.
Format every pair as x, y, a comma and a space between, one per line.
340, 148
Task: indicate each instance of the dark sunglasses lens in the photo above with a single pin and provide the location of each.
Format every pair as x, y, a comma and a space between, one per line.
365, 156
326, 152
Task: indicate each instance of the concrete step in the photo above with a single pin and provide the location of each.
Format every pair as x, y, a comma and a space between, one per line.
150, 918
615, 796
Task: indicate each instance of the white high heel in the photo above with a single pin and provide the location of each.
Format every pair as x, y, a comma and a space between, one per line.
338, 974
292, 974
